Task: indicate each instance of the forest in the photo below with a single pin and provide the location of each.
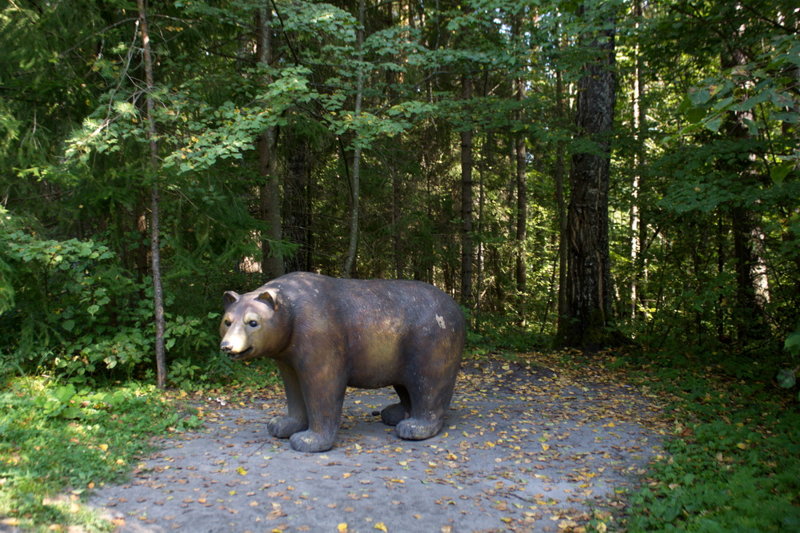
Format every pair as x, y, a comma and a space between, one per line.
601, 176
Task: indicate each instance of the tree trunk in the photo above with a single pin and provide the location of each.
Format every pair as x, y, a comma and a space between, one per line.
269, 192
588, 304
752, 291
297, 203
356, 170
521, 156
559, 170
636, 226
397, 256
466, 201
155, 241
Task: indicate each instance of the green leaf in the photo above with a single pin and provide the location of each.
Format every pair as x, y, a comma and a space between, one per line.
700, 96
779, 172
714, 123
786, 378
792, 343
65, 393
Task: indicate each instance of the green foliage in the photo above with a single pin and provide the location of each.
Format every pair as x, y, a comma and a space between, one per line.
731, 466
57, 437
75, 310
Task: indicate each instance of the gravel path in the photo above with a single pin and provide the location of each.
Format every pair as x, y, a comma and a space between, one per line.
523, 449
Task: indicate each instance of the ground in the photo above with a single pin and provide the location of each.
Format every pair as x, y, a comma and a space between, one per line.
524, 448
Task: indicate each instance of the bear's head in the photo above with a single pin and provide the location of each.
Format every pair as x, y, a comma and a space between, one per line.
255, 324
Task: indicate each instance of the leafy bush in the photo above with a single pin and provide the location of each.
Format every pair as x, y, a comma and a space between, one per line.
69, 306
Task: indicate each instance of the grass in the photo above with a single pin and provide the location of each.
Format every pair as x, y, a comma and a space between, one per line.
58, 442
733, 464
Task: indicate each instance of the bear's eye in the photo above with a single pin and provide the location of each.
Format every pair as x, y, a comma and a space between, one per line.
227, 323
252, 323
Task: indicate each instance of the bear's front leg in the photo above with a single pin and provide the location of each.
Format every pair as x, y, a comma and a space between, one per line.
324, 398
296, 419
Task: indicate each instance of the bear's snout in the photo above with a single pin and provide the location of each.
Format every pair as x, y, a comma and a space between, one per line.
227, 347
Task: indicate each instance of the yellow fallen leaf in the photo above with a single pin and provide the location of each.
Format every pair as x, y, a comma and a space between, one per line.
380, 526
242, 471
103, 447
342, 527
545, 446
742, 446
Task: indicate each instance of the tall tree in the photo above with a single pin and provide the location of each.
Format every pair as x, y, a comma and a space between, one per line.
269, 191
636, 225
521, 161
466, 199
587, 316
752, 292
355, 177
155, 203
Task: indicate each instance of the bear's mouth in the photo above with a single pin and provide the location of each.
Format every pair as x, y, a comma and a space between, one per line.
239, 355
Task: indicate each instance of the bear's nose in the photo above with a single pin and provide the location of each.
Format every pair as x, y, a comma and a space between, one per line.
225, 346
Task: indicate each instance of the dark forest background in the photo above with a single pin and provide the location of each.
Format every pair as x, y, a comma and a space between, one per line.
580, 173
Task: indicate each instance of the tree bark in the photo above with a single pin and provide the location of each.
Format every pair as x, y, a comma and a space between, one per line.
752, 291
559, 170
521, 156
588, 304
636, 226
297, 194
155, 240
269, 192
466, 201
356, 170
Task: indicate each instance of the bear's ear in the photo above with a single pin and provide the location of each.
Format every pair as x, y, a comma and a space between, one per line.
229, 298
270, 299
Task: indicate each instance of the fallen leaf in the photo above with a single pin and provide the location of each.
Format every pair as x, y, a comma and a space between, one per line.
342, 527
380, 526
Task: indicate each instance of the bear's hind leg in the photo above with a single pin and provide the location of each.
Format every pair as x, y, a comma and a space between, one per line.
427, 414
397, 412
430, 399
419, 428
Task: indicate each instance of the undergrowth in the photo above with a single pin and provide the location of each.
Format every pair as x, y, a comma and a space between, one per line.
733, 463
57, 442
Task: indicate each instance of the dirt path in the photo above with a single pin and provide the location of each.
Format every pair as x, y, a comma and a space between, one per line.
524, 449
